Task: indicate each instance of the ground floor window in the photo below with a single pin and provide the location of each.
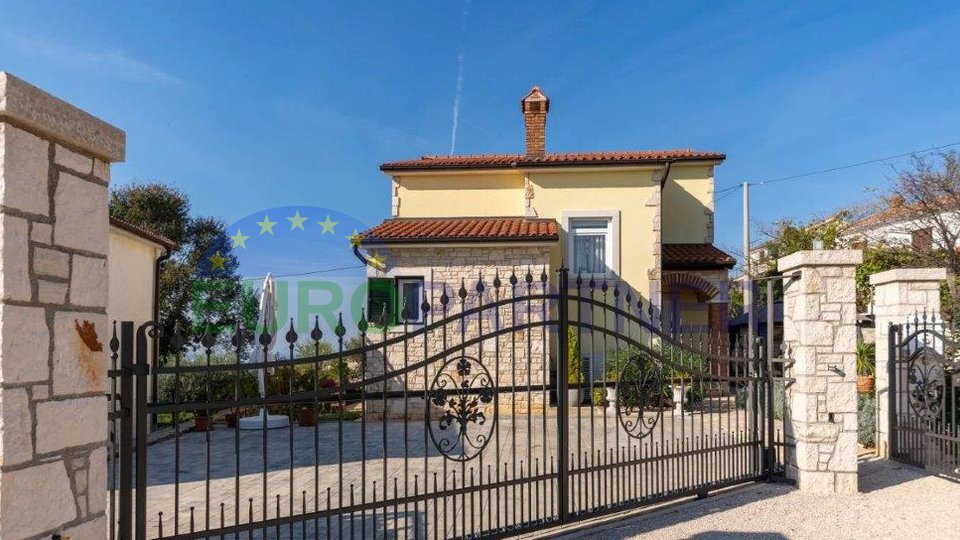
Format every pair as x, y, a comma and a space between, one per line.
409, 295
395, 300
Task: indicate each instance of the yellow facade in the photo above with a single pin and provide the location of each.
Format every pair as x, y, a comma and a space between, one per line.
456, 195
630, 193
688, 205
681, 213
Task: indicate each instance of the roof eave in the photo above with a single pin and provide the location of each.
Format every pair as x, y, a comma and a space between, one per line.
700, 266
392, 168
459, 240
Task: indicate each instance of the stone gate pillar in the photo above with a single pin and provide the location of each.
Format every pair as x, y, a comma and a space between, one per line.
898, 296
54, 170
820, 331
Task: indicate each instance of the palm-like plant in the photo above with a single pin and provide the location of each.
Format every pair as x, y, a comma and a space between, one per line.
866, 359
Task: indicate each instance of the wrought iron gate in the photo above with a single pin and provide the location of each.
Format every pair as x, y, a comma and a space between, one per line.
924, 377
519, 403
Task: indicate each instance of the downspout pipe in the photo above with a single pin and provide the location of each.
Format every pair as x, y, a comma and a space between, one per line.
659, 268
666, 174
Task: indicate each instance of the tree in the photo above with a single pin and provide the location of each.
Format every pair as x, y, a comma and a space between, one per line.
926, 206
786, 237
194, 291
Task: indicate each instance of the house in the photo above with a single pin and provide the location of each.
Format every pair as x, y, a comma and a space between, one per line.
134, 265
901, 224
640, 219
135, 256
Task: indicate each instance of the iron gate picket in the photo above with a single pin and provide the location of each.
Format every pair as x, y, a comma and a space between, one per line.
924, 376
518, 404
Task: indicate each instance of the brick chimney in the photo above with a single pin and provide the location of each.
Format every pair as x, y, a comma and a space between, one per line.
535, 106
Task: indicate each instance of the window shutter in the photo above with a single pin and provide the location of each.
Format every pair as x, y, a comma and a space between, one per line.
381, 297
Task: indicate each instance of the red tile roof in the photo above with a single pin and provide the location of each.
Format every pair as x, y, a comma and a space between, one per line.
695, 256
432, 230
510, 161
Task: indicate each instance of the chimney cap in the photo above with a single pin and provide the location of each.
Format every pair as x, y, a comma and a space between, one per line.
535, 95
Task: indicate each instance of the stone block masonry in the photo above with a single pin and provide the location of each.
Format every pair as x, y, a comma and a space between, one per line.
54, 173
524, 356
819, 326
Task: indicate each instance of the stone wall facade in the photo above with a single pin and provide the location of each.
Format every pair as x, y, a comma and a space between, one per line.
898, 296
54, 172
820, 331
524, 355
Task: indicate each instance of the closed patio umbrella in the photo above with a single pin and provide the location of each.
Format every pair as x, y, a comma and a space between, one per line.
266, 324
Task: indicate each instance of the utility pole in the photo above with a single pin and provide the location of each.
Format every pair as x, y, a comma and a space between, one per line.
748, 271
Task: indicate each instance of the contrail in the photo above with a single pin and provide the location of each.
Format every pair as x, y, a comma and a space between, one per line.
456, 102
459, 90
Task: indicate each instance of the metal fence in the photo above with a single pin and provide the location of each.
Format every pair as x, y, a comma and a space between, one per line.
924, 375
480, 421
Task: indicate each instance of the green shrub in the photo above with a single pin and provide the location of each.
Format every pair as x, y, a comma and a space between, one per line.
223, 383
740, 398
574, 360
867, 419
636, 364
598, 397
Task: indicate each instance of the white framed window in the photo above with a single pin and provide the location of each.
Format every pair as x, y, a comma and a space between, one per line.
591, 246
409, 298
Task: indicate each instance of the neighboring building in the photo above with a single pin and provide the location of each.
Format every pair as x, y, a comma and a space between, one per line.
900, 224
134, 259
642, 218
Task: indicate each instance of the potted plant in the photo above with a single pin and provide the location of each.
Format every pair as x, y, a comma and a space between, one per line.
574, 368
686, 391
638, 369
202, 421
866, 367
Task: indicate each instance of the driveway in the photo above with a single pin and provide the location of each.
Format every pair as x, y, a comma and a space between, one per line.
896, 501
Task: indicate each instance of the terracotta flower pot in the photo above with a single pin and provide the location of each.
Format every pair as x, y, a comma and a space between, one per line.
202, 423
865, 384
307, 416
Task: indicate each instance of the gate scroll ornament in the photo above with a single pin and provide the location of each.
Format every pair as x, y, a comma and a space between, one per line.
460, 390
926, 379
640, 390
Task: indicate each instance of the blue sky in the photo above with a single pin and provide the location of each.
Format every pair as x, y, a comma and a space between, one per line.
248, 107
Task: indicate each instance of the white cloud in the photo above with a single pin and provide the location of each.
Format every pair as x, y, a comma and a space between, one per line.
111, 62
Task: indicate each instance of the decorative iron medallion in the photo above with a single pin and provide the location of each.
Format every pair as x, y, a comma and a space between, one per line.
640, 398
460, 391
926, 381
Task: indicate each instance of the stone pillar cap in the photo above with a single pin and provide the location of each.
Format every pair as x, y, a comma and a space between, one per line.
824, 257
908, 274
28, 107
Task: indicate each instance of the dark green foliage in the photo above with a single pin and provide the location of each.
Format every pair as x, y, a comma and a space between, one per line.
574, 360
193, 386
740, 398
867, 419
191, 293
